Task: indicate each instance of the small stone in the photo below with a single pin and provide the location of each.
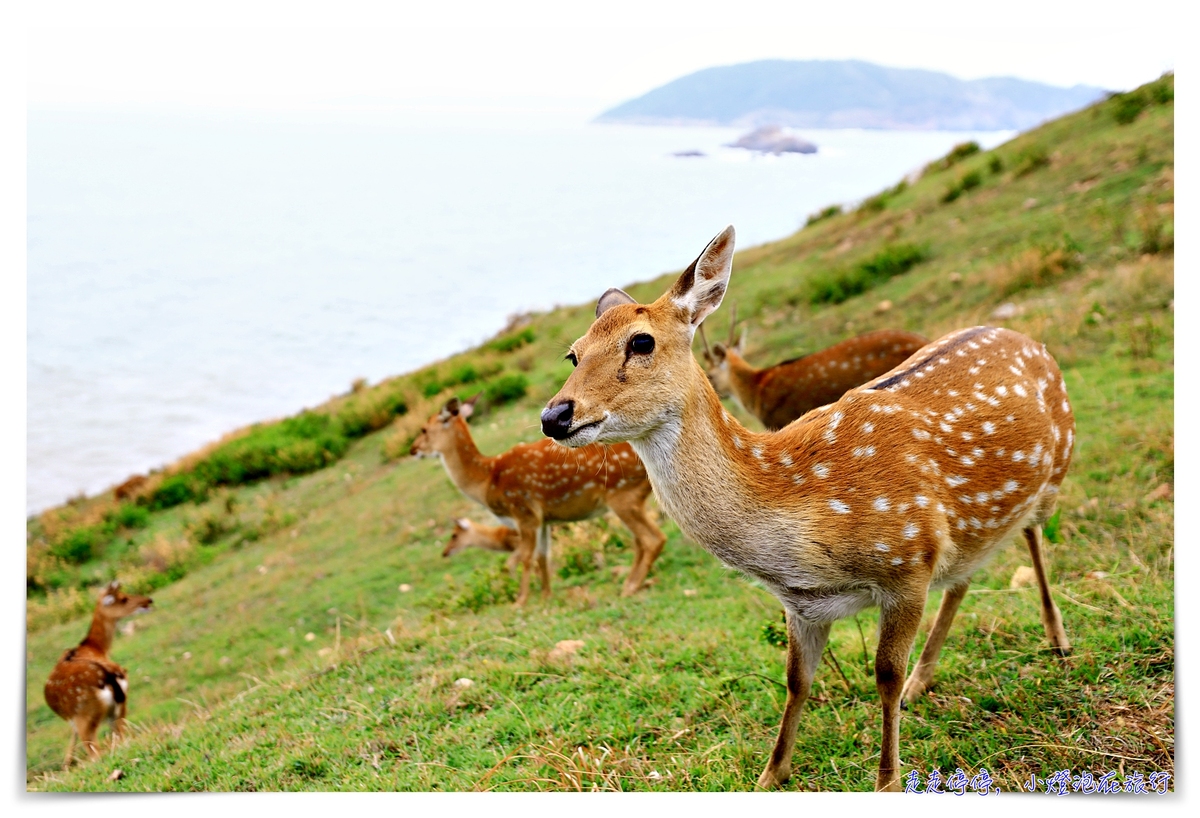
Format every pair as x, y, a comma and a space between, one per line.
565, 649
1005, 311
464, 682
262, 569
224, 660
284, 651
116, 775
324, 651
654, 774
187, 654
310, 636
1096, 575
1029, 203
1023, 576
955, 278
883, 306
1163, 492
405, 587
689, 592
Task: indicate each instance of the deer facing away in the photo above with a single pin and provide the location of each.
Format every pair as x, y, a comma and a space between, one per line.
908, 483
86, 687
779, 394
533, 485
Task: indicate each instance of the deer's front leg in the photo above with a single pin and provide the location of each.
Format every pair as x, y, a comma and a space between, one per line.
543, 557
806, 641
898, 624
524, 556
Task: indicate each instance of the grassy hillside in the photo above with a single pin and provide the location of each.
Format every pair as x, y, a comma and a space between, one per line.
308, 634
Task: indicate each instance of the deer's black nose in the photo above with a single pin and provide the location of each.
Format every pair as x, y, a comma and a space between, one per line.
556, 419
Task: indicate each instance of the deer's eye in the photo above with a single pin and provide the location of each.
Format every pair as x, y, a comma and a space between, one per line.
570, 356
641, 344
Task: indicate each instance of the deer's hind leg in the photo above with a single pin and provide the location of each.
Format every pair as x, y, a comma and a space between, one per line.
1051, 618
806, 642
631, 508
922, 674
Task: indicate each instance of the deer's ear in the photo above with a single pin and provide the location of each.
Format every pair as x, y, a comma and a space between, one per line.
702, 286
450, 409
463, 523
107, 600
611, 298
114, 586
467, 408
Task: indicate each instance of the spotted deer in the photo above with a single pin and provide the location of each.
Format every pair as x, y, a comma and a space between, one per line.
534, 485
86, 687
779, 394
908, 483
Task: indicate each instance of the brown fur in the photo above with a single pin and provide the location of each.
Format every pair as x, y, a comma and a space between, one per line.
536, 484
779, 394
907, 483
86, 687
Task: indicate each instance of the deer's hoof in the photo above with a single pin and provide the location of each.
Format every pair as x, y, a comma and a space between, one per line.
774, 777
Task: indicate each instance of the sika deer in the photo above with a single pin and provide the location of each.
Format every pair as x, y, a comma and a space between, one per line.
779, 394
536, 484
907, 483
86, 687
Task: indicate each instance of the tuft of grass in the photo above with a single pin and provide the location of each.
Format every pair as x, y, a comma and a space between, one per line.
513, 341
1034, 268
1029, 160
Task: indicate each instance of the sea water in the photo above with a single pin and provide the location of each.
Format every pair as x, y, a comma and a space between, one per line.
192, 273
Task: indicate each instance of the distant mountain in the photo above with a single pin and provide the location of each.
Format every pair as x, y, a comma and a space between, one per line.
848, 94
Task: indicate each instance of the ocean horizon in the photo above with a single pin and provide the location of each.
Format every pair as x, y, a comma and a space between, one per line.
189, 274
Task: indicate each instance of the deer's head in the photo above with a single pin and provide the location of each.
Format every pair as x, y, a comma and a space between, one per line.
115, 604
634, 367
438, 433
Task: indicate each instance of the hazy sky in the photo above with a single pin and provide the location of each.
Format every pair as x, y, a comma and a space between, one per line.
549, 54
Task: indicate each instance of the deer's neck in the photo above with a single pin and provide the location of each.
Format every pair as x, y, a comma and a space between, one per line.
468, 469
701, 464
743, 382
100, 635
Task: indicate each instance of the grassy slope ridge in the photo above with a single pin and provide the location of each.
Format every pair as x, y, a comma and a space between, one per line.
677, 688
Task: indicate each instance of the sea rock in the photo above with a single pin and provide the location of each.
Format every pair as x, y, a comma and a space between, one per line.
773, 139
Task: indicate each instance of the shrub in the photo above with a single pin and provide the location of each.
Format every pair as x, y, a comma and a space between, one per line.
1126, 107
79, 544
129, 515
1030, 160
969, 181
823, 214
296, 445
878, 202
506, 389
210, 528
176, 489
368, 413
834, 287
996, 164
775, 633
512, 341
958, 153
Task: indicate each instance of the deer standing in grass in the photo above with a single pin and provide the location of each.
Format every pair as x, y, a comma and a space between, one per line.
908, 483
86, 687
779, 394
533, 485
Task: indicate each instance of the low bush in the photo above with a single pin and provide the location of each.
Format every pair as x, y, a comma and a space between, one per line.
969, 181
958, 153
367, 413
512, 341
1030, 160
506, 389
1035, 267
836, 286
823, 214
879, 202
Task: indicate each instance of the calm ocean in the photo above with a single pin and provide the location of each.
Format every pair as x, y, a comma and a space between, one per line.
189, 274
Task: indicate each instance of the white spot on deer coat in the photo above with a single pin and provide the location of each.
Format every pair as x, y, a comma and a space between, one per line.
839, 506
881, 504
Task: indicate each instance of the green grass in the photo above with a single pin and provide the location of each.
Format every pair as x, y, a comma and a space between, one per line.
679, 687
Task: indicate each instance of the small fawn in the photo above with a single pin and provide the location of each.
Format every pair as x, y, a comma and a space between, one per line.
86, 687
779, 394
907, 483
533, 485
